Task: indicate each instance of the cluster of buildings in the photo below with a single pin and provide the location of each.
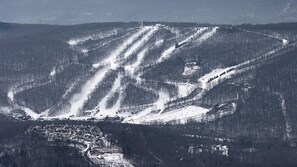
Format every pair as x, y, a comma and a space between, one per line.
218, 149
90, 140
84, 134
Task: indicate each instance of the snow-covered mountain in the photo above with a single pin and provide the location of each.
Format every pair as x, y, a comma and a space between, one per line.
140, 73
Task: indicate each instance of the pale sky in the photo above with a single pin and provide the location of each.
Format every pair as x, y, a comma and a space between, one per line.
199, 11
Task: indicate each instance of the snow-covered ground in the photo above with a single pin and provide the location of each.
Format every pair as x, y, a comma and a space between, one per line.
184, 89
133, 44
182, 116
128, 47
136, 43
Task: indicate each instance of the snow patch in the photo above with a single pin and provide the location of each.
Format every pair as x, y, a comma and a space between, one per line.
10, 95
5, 109
285, 41
84, 51
53, 72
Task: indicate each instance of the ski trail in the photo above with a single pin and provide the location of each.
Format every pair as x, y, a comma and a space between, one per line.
114, 55
117, 84
208, 35
77, 41
103, 103
167, 53
283, 40
200, 31
161, 104
11, 93
118, 104
80, 99
210, 80
215, 77
87, 50
219, 75
28, 111
144, 39
132, 68
110, 63
264, 56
